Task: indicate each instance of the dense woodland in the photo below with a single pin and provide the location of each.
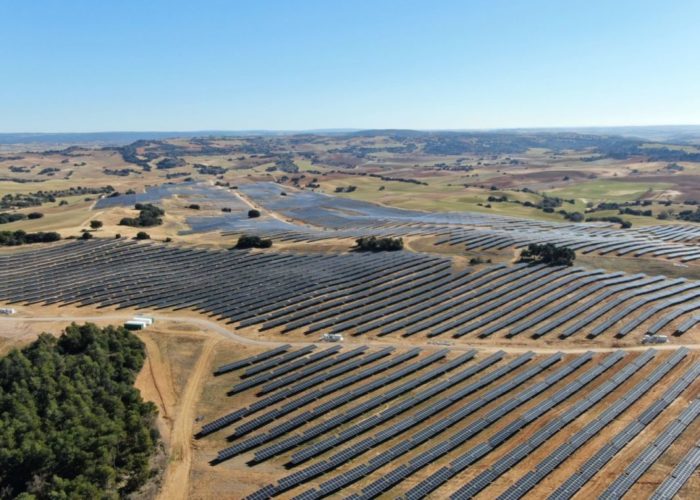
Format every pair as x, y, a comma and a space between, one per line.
72, 425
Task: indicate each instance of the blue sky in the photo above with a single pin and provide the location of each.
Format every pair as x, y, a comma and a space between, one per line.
202, 65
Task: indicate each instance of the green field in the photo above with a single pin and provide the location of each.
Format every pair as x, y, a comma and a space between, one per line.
609, 190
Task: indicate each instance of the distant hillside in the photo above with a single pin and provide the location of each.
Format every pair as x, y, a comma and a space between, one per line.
664, 133
661, 133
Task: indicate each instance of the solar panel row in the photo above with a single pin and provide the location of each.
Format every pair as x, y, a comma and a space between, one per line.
479, 451
393, 292
523, 485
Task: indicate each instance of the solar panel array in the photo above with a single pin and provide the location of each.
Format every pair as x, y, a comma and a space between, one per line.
382, 421
652, 452
312, 216
356, 294
305, 216
595, 463
523, 485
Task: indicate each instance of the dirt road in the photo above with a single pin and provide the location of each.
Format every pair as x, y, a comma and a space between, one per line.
176, 481
222, 330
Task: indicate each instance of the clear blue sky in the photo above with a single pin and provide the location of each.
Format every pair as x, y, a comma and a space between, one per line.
74, 65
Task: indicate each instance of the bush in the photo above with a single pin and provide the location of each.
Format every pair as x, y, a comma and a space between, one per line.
549, 254
374, 244
247, 241
73, 425
86, 236
142, 235
252, 213
35, 215
194, 206
574, 216
96, 224
478, 260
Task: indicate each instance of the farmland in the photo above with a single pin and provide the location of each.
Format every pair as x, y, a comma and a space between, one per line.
463, 371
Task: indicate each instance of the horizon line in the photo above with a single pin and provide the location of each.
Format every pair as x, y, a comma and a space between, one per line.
353, 129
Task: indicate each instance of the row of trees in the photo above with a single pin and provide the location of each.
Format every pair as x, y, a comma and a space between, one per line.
19, 237
6, 217
72, 425
23, 200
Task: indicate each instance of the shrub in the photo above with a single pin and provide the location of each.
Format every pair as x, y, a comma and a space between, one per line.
478, 260
247, 241
35, 215
374, 244
549, 254
194, 206
252, 213
86, 236
142, 235
574, 216
96, 224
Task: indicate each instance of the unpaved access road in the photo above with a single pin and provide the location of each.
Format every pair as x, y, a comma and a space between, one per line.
217, 327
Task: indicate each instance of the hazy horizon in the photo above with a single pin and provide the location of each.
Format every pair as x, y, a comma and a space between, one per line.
354, 129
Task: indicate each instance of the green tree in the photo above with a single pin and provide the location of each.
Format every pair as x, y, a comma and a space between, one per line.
549, 254
71, 423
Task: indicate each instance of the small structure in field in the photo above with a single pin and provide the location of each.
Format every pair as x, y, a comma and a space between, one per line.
655, 339
138, 323
7, 311
332, 337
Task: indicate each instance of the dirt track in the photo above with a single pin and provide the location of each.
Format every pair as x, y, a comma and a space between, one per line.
218, 328
176, 481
